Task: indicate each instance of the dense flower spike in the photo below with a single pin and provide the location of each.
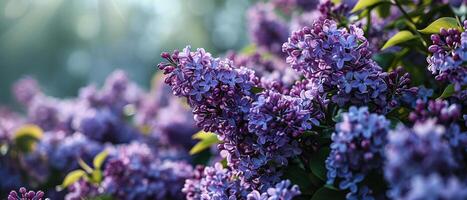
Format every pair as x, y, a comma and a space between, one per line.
435, 187
80, 190
10, 172
135, 172
441, 110
283, 190
266, 29
219, 93
291, 5
26, 195
357, 148
310, 101
421, 157
242, 120
63, 152
25, 90
449, 56
218, 182
339, 60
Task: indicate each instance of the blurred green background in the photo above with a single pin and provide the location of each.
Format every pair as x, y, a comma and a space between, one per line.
66, 44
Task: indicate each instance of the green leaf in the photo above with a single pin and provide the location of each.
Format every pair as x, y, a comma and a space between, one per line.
96, 176
205, 143
298, 176
398, 38
325, 193
99, 159
384, 10
448, 91
249, 49
71, 178
444, 22
256, 90
362, 4
317, 163
26, 137
85, 166
201, 135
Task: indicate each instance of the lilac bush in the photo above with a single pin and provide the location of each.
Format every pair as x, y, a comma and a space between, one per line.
331, 100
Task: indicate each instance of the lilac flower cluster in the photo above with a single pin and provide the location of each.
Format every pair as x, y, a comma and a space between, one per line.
338, 59
135, 172
337, 11
82, 189
266, 29
79, 128
357, 149
10, 172
26, 195
420, 164
274, 74
449, 56
62, 152
221, 183
243, 121
440, 110
291, 5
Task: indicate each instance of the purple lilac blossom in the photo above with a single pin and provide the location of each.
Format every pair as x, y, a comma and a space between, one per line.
440, 110
218, 182
273, 72
25, 90
418, 154
11, 174
338, 61
9, 122
220, 96
337, 11
449, 56
291, 5
24, 194
357, 149
266, 29
283, 190
62, 152
222, 102
81, 189
136, 172
176, 123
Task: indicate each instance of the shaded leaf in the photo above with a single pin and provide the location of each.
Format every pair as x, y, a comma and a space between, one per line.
362, 4
317, 163
85, 166
256, 90
398, 38
96, 176
325, 193
249, 49
99, 159
448, 91
205, 143
444, 22
25, 137
298, 176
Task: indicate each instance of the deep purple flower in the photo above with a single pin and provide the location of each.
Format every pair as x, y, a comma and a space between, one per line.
24, 194
137, 172
449, 57
357, 149
266, 29
217, 182
418, 154
25, 90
